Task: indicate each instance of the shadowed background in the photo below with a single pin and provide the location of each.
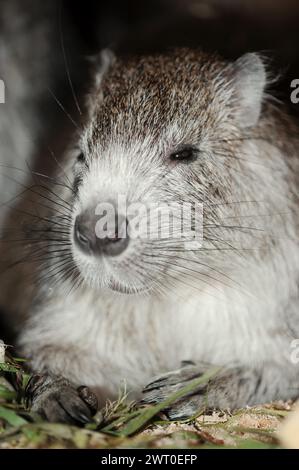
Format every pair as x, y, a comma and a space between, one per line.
230, 27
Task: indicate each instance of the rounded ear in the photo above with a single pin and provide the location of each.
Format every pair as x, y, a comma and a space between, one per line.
101, 63
249, 78
104, 60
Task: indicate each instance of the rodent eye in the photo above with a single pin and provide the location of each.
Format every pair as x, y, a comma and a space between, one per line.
186, 154
81, 158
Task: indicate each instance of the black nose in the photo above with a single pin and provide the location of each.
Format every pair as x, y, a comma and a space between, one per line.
86, 238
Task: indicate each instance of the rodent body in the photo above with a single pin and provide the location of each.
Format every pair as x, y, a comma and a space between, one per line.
231, 303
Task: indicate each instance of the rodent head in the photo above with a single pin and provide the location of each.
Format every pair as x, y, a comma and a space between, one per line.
161, 130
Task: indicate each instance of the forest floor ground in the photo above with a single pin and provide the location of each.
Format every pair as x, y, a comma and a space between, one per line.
126, 425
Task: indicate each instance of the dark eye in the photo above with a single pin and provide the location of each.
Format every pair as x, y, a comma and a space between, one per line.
81, 158
185, 154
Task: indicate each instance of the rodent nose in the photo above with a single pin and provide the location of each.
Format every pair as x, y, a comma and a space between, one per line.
87, 240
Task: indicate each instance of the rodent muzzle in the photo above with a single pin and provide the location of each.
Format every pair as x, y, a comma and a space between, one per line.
89, 241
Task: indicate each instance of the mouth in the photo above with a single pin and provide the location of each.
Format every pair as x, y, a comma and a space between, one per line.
117, 286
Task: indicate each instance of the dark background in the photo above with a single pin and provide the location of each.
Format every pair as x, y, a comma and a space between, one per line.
230, 27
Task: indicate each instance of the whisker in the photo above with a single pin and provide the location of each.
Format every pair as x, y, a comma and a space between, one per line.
63, 109
66, 63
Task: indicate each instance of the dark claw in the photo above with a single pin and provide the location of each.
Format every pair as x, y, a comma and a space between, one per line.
187, 363
75, 409
155, 385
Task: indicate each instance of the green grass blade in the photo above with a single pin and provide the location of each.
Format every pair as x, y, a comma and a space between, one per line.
145, 416
11, 417
7, 394
6, 367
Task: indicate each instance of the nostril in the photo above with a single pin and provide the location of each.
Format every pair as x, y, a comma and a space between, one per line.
121, 229
112, 246
117, 239
81, 236
118, 236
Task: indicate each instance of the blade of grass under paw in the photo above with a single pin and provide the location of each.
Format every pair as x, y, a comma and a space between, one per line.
145, 416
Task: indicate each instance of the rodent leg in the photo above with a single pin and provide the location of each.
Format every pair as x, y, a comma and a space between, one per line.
57, 400
231, 388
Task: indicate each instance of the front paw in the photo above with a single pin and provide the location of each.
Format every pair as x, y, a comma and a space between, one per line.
57, 400
224, 391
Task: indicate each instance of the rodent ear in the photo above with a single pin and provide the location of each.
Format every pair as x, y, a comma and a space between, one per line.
105, 59
101, 63
250, 81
